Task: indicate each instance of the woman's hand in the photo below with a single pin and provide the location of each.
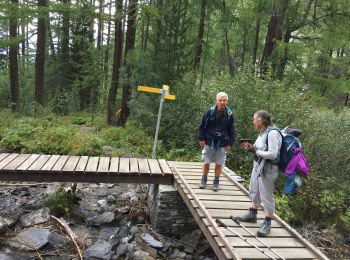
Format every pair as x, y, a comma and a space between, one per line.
249, 147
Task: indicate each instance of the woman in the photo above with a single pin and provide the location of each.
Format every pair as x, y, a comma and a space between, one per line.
265, 170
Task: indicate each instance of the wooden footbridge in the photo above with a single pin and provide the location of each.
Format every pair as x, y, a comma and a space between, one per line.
206, 206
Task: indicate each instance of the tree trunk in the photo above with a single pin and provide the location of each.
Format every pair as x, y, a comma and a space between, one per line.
118, 49
274, 32
24, 37
231, 65
199, 42
52, 45
129, 45
13, 57
100, 25
256, 37
40, 54
281, 65
106, 59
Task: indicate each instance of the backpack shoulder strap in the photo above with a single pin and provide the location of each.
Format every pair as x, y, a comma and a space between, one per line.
268, 131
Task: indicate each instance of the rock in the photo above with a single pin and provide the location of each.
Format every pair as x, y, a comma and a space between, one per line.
100, 250
102, 203
151, 241
111, 199
36, 217
128, 195
134, 199
3, 226
30, 239
139, 255
104, 218
191, 239
104, 190
56, 239
108, 232
177, 255
124, 210
124, 232
134, 230
122, 249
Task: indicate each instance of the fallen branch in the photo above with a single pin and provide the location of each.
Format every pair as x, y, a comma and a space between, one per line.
70, 233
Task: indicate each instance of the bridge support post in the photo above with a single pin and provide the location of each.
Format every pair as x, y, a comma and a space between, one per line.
169, 213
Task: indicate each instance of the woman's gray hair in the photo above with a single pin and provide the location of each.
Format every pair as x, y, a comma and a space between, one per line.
264, 116
221, 94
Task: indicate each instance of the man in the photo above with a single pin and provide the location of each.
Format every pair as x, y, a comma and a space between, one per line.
216, 136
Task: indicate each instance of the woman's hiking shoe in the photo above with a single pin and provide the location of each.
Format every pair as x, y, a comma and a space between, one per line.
264, 229
250, 216
216, 184
203, 182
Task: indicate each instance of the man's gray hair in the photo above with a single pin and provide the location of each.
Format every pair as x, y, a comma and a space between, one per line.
221, 94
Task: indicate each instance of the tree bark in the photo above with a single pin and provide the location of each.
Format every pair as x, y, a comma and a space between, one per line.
129, 45
118, 49
274, 32
40, 54
100, 25
106, 55
231, 65
199, 42
13, 53
256, 37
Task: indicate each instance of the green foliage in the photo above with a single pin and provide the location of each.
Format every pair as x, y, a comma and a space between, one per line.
60, 204
283, 208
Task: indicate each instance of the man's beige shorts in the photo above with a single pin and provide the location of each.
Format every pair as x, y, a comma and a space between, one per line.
210, 155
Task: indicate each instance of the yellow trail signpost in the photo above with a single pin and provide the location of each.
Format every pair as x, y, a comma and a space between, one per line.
164, 91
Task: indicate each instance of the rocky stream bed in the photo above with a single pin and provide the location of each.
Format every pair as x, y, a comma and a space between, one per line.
106, 221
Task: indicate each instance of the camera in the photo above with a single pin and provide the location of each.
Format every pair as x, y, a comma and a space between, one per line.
217, 135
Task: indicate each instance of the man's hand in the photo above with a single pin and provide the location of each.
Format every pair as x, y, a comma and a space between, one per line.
201, 143
228, 148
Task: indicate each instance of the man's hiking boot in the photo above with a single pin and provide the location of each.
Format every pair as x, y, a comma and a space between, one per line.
265, 228
203, 182
250, 216
216, 184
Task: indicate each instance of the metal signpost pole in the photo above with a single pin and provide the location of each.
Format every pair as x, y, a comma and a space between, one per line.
163, 92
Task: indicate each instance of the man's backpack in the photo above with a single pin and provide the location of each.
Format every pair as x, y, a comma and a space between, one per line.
291, 147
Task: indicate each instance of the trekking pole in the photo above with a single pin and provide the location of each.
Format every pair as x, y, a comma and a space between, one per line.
222, 224
261, 241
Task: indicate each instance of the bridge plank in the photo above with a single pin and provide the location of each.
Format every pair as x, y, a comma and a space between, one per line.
275, 232
114, 166
287, 253
50, 163
3, 156
154, 166
92, 164
16, 162
103, 165
143, 166
27, 163
270, 241
124, 165
217, 197
60, 163
82, 164
36, 166
226, 205
134, 166
165, 167
71, 164
8, 159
